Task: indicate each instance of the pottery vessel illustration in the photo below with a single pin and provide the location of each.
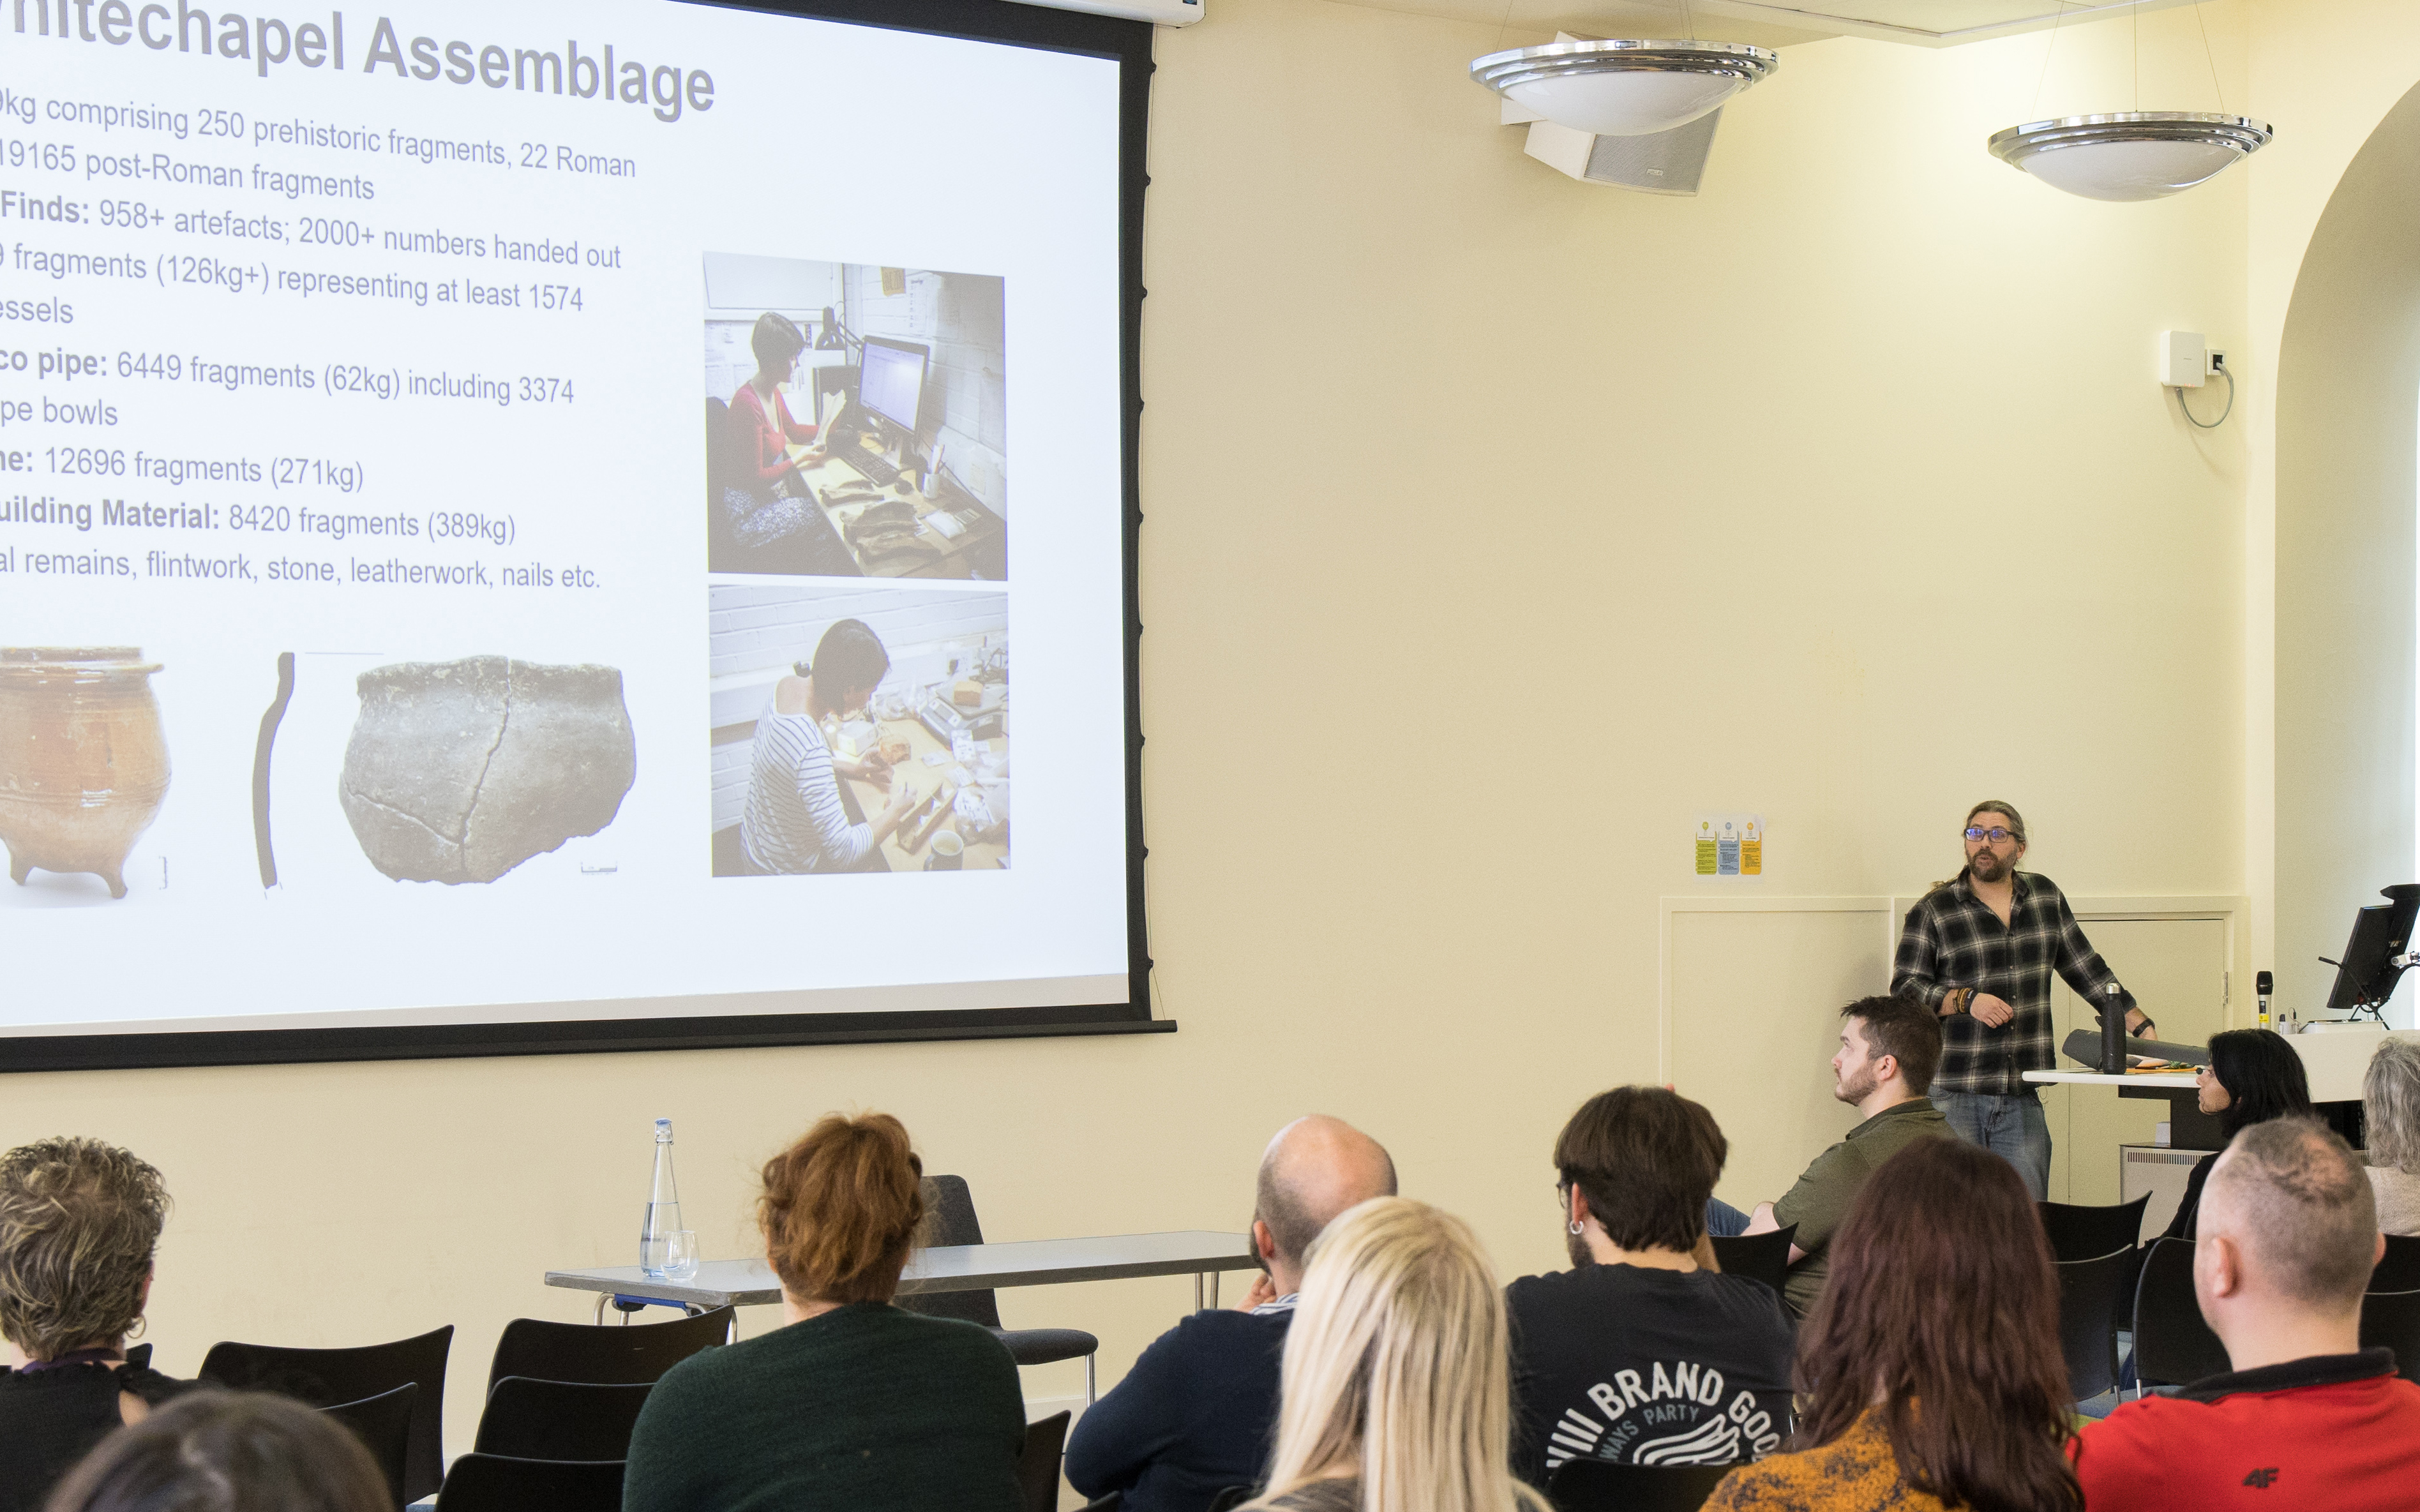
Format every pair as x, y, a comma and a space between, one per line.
83, 764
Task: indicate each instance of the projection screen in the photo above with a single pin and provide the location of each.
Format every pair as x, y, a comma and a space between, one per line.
584, 524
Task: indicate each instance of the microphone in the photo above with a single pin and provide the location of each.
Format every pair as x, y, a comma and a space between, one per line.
2263, 983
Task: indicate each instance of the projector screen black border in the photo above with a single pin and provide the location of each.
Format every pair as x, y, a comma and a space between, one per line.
1130, 42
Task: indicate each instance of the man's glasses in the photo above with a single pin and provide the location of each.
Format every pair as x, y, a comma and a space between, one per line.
1996, 834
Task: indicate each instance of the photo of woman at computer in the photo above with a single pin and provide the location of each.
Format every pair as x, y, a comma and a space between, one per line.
856, 419
858, 728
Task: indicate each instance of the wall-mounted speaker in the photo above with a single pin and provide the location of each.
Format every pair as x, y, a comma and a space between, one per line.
1665, 162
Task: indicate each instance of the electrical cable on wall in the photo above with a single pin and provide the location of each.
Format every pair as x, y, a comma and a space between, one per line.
2221, 414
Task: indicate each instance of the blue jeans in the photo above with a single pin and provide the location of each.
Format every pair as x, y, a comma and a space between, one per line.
2010, 1125
1723, 1221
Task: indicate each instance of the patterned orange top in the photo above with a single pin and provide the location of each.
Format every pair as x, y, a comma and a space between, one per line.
1854, 1472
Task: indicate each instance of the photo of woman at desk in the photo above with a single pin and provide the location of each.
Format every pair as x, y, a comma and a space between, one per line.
766, 499
885, 750
857, 420
795, 821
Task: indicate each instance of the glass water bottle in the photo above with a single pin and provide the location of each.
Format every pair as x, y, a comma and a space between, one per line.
664, 1207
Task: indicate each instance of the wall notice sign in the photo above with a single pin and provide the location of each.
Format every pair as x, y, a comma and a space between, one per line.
1730, 845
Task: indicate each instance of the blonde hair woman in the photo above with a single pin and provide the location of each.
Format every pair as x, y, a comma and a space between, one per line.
1397, 1384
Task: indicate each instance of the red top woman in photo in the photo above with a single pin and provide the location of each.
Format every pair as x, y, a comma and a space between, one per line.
762, 430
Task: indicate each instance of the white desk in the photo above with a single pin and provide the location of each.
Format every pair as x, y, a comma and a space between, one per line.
1198, 1253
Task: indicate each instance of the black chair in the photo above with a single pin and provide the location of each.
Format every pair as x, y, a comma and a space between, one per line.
1038, 1468
531, 1419
1106, 1504
2171, 1341
1603, 1485
2091, 1294
628, 1354
385, 1424
2392, 1319
499, 1483
953, 1222
328, 1378
2398, 1269
1758, 1256
1229, 1499
2082, 1233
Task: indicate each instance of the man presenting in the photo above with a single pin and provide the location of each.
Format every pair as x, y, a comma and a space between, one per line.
2307, 1417
1978, 950
1888, 1049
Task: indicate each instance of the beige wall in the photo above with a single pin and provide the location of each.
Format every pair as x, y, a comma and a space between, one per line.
2329, 504
1497, 524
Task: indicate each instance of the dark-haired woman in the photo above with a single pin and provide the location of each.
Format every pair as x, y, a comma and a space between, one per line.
228, 1451
854, 1403
2253, 1076
764, 498
1929, 1374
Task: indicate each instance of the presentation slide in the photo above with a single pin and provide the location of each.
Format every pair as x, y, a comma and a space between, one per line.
574, 510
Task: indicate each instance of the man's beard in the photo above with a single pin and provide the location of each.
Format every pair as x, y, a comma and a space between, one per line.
1856, 1089
1988, 867
1577, 1245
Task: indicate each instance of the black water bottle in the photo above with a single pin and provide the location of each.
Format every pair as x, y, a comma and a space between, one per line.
2112, 1031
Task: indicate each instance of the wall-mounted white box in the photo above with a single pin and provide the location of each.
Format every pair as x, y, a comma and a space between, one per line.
2182, 363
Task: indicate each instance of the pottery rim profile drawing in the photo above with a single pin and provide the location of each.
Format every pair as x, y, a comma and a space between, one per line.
84, 765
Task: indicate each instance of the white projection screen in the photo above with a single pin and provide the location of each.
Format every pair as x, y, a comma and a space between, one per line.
568, 526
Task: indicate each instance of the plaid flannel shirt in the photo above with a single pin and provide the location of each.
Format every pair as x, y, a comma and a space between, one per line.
1953, 939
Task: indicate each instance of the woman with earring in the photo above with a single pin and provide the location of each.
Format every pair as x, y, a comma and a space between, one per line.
2253, 1076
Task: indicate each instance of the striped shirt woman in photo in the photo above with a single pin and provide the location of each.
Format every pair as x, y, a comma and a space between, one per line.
794, 821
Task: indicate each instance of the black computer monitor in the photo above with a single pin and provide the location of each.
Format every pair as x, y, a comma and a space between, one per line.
891, 380
2366, 974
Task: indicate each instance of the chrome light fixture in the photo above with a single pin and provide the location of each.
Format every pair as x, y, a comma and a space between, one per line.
1624, 88
2133, 155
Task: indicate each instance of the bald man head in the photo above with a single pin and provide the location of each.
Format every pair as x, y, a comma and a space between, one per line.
1315, 1168
2288, 1236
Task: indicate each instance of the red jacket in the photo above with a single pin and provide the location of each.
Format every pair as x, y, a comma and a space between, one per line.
760, 441
2338, 1432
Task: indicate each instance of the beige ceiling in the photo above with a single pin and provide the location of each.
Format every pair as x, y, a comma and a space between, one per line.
1781, 22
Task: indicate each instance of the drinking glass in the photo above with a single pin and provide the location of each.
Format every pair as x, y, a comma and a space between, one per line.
680, 1255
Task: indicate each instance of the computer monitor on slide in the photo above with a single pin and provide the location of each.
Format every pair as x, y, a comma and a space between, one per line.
891, 382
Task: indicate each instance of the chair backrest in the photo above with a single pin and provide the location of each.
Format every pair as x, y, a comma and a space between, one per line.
950, 1219
499, 1483
325, 1378
2392, 1319
2171, 1342
532, 1419
1037, 1467
606, 1354
2083, 1233
1758, 1256
2092, 1295
2398, 1269
385, 1424
1604, 1486
1226, 1501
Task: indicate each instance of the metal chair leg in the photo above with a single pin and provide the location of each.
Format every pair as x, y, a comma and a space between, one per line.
1087, 1379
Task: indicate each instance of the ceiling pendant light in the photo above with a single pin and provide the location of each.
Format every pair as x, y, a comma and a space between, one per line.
1624, 88
2132, 155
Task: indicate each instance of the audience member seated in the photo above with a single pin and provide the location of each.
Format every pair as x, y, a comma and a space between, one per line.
1196, 1413
2307, 1417
79, 1223
2253, 1076
228, 1451
853, 1403
2390, 1109
1888, 1048
1637, 1353
1396, 1396
1929, 1375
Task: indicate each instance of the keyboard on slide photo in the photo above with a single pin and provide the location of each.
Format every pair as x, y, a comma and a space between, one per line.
878, 470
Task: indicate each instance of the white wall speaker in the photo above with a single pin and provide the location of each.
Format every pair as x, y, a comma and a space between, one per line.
1666, 162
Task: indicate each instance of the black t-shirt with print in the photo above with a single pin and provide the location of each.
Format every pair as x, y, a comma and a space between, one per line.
1653, 1367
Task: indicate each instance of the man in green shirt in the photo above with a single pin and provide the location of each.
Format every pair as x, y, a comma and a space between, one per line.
1888, 1048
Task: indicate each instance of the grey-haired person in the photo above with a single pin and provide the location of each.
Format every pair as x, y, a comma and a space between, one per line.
2390, 1107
